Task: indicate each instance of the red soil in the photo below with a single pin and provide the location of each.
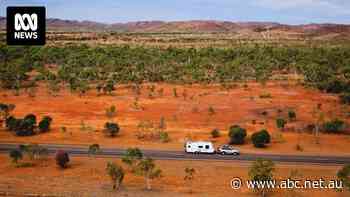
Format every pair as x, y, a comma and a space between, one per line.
185, 118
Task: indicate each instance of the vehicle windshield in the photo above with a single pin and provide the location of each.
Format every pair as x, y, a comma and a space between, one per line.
226, 147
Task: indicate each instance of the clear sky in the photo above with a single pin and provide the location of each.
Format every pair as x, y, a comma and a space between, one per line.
111, 11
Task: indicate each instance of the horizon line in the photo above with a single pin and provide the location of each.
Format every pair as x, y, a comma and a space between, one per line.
196, 20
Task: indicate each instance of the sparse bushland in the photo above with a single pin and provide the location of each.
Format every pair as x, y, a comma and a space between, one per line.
80, 66
261, 138
147, 130
261, 170
237, 134
140, 165
29, 155
27, 126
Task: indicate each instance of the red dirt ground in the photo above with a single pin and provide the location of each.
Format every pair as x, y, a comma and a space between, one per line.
185, 118
87, 177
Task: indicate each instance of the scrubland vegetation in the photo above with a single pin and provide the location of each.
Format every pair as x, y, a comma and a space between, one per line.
85, 68
81, 67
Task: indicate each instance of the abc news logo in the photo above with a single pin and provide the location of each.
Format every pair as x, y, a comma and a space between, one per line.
26, 25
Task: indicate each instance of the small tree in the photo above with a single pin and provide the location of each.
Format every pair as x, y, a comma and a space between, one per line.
31, 118
5, 110
62, 159
44, 124
261, 138
41, 153
15, 155
261, 170
211, 110
189, 177
215, 133
280, 123
131, 157
162, 124
108, 88
147, 168
111, 112
116, 173
94, 149
175, 92
345, 98
112, 129
237, 134
319, 117
164, 136
292, 115
11, 123
344, 175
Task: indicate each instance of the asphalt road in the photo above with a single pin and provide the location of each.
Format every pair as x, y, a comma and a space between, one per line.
179, 155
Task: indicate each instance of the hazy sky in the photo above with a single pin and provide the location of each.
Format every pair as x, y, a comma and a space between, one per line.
110, 11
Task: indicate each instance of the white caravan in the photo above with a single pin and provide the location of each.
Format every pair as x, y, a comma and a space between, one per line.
199, 147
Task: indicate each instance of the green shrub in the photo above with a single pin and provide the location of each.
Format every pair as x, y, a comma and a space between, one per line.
237, 134
164, 136
334, 126
112, 129
292, 115
215, 133
31, 118
111, 112
15, 155
345, 98
280, 123
44, 124
261, 138
21, 127
335, 86
131, 157
344, 175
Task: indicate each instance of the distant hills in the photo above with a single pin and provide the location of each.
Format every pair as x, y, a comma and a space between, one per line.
196, 26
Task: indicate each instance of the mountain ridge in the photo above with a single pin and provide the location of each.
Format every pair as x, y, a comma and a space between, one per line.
192, 26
